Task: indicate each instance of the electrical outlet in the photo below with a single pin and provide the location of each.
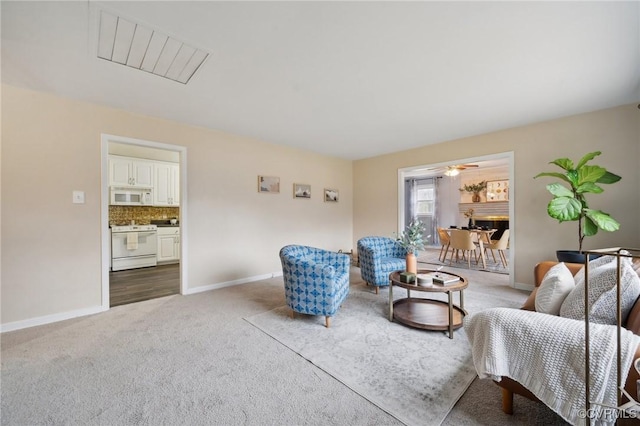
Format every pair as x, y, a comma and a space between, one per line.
78, 197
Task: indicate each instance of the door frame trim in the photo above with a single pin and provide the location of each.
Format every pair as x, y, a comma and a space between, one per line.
104, 207
509, 156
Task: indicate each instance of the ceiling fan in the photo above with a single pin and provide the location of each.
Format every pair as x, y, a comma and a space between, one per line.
455, 169
451, 170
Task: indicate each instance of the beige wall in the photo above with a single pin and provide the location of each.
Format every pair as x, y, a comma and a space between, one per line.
615, 132
51, 146
51, 248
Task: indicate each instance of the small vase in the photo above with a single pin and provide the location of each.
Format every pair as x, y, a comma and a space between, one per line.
412, 263
476, 197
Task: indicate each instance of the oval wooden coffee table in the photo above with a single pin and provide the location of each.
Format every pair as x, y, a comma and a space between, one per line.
428, 314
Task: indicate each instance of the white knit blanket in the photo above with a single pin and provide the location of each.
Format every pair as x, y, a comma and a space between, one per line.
546, 354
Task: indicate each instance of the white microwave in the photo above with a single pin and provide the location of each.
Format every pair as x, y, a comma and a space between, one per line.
121, 196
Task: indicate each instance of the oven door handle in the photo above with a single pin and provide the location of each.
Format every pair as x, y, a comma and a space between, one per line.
140, 233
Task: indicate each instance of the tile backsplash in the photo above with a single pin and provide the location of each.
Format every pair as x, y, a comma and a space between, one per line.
142, 215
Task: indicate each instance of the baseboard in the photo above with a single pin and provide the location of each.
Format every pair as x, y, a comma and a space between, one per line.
48, 319
232, 283
523, 286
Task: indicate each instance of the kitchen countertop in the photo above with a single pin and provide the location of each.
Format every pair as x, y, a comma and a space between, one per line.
164, 223
158, 223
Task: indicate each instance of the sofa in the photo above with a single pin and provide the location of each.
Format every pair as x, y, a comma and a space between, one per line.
631, 323
316, 281
378, 257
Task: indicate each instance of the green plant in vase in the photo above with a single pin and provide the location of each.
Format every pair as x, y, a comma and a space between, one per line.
412, 240
475, 189
569, 202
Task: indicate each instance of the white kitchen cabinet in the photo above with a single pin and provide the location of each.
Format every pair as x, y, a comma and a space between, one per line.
168, 244
166, 188
126, 171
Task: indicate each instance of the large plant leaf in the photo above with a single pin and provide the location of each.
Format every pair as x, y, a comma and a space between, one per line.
563, 163
609, 178
553, 174
564, 209
590, 156
559, 190
590, 174
573, 178
590, 228
602, 220
589, 187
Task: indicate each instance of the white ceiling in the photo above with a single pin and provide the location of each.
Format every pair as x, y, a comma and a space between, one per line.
347, 79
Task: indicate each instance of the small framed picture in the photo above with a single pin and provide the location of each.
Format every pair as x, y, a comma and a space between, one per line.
301, 190
269, 184
331, 195
498, 190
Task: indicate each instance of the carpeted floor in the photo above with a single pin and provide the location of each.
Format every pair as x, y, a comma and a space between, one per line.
194, 360
430, 255
412, 374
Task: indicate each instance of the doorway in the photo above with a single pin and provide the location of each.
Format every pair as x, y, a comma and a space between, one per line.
433, 192
160, 223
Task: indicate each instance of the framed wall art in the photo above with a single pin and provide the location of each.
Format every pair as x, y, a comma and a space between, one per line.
498, 190
331, 195
301, 190
269, 184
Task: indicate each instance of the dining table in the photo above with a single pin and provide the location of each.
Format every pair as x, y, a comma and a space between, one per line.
480, 236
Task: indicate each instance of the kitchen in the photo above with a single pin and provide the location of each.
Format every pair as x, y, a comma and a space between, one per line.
144, 223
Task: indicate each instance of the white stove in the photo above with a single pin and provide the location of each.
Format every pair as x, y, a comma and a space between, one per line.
133, 246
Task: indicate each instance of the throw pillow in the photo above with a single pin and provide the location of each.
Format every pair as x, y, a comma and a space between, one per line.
554, 288
635, 264
602, 292
593, 264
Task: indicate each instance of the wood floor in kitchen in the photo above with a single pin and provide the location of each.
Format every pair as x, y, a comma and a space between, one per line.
135, 285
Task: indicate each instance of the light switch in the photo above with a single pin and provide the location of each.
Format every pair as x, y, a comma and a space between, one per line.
78, 197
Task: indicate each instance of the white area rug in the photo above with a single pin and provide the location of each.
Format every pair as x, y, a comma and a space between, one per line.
415, 375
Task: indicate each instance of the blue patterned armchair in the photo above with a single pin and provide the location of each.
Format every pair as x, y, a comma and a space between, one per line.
378, 257
316, 281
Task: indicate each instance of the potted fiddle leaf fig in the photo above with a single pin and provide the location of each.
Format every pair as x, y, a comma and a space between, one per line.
569, 202
411, 239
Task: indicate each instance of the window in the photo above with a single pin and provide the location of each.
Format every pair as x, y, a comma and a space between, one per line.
425, 200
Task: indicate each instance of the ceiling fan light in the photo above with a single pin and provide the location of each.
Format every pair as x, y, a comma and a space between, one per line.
452, 171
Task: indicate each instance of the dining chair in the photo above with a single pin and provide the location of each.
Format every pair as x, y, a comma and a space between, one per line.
444, 240
501, 245
461, 240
